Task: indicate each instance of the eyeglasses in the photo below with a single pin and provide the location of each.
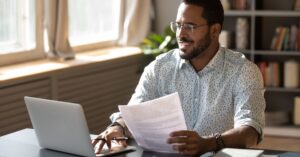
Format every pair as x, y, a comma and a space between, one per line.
176, 26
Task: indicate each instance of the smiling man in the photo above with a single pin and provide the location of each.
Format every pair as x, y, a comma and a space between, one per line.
221, 92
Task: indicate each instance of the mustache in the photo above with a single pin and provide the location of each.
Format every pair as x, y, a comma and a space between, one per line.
184, 39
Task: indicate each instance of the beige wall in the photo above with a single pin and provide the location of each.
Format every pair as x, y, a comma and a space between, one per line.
166, 11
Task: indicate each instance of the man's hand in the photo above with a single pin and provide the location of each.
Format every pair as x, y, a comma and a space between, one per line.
107, 136
187, 142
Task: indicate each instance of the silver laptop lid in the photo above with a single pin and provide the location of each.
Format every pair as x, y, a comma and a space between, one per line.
60, 126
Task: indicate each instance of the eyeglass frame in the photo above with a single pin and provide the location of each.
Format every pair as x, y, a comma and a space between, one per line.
186, 26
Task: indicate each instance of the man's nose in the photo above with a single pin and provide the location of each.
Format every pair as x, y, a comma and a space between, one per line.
181, 32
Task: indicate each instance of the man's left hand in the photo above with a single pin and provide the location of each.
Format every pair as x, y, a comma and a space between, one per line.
187, 142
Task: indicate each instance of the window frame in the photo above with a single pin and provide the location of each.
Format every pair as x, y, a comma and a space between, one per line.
107, 43
35, 53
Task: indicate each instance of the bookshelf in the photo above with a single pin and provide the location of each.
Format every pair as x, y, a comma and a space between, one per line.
263, 17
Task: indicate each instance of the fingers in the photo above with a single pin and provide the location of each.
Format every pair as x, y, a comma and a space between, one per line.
94, 142
187, 133
122, 143
106, 137
179, 139
101, 142
99, 149
108, 141
119, 140
183, 137
186, 142
186, 149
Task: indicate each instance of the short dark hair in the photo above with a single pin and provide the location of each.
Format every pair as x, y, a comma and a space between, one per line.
213, 10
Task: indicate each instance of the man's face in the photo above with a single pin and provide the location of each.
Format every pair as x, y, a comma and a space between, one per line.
192, 42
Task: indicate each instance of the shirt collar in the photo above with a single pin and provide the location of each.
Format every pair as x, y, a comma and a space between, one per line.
214, 63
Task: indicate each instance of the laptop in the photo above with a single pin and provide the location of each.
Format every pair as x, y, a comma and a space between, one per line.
62, 126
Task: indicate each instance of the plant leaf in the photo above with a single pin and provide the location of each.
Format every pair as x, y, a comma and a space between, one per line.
165, 43
157, 38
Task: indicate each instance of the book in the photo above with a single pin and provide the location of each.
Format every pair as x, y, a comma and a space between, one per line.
280, 39
297, 110
276, 74
263, 66
226, 4
270, 73
225, 38
297, 5
234, 152
276, 118
291, 74
275, 38
285, 44
297, 47
240, 4
293, 37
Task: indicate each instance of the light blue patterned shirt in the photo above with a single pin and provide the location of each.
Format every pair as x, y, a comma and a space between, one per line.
226, 94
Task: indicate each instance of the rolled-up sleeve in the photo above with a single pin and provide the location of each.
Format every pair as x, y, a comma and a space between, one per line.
249, 100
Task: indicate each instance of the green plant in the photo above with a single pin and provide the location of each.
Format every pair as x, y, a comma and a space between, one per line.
156, 44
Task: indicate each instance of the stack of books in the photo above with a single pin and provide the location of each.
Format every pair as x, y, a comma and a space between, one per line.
277, 118
286, 39
271, 73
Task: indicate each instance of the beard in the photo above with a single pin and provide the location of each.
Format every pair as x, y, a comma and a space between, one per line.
201, 45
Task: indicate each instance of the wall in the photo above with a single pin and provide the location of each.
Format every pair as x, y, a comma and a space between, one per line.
166, 11
96, 86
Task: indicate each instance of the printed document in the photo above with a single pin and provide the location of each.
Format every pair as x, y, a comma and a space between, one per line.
235, 152
151, 122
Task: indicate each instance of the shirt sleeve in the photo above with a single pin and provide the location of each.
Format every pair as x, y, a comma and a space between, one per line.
249, 102
147, 86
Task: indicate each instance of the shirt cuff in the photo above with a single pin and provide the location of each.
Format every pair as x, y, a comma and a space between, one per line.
113, 117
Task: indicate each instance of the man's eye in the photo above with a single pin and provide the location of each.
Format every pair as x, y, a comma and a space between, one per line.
190, 26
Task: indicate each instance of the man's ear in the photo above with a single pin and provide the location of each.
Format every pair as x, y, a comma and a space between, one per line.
215, 30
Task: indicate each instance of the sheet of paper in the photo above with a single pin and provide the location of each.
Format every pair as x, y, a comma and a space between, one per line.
151, 122
234, 152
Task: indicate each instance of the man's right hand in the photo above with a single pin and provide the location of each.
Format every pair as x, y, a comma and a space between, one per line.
107, 136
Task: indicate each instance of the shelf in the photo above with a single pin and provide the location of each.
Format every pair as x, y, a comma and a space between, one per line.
238, 13
277, 13
247, 52
269, 13
263, 18
281, 89
283, 131
277, 53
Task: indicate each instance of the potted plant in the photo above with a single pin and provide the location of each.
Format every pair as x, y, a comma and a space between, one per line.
156, 44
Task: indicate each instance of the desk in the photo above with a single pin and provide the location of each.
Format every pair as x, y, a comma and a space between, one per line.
24, 143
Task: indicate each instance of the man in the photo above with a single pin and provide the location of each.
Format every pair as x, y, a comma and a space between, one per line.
220, 90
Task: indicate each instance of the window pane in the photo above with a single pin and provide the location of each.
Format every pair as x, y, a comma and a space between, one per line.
17, 25
93, 21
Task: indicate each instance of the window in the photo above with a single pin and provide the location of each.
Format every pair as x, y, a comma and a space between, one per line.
18, 30
94, 21
85, 25
17, 25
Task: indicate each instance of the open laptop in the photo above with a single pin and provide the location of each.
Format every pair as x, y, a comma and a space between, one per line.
62, 126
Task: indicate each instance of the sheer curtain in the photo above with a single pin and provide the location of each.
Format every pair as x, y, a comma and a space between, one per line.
134, 27
136, 24
56, 26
